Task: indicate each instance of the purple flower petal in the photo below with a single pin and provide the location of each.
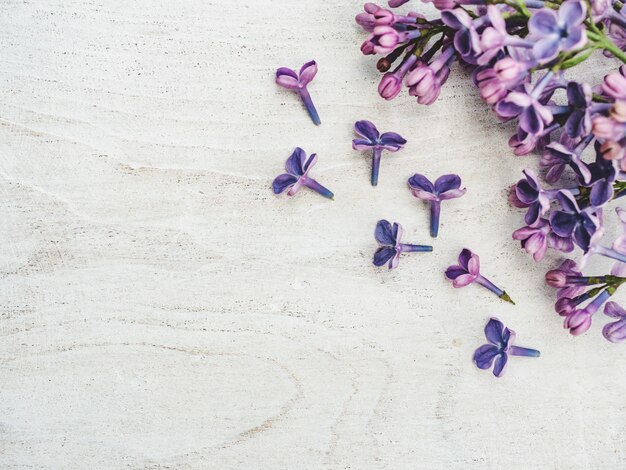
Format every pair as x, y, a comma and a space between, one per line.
295, 163
563, 223
307, 73
420, 182
452, 194
392, 141
464, 258
283, 182
543, 22
383, 254
546, 49
614, 310
615, 331
310, 162
455, 271
601, 192
484, 356
384, 233
362, 144
463, 280
287, 78
572, 13
367, 129
493, 332
447, 182
567, 201
500, 365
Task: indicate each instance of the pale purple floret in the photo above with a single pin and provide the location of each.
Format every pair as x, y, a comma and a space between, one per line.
390, 246
615, 331
468, 271
445, 187
373, 140
298, 167
500, 346
561, 31
287, 78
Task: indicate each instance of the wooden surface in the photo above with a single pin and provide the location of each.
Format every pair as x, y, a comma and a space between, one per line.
161, 308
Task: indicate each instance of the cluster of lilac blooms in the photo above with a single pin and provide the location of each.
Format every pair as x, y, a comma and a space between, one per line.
389, 235
519, 53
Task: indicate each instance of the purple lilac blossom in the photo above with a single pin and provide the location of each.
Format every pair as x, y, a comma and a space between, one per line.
298, 167
287, 78
468, 271
389, 239
500, 346
373, 140
561, 31
445, 187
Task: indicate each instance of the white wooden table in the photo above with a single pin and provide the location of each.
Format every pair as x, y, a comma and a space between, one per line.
161, 308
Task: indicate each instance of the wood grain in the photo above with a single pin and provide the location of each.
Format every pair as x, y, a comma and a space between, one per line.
160, 308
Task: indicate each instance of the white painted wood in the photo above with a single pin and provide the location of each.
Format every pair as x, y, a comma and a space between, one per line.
162, 309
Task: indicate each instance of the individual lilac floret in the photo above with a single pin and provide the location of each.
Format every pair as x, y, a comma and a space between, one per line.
501, 341
445, 187
372, 139
289, 79
581, 225
615, 331
298, 167
389, 247
468, 271
558, 31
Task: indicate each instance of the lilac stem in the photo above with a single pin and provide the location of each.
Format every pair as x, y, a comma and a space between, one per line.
435, 210
310, 107
527, 352
610, 253
315, 186
376, 154
483, 281
407, 248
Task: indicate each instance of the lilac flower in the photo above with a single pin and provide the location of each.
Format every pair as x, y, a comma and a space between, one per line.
289, 79
501, 341
529, 192
581, 225
468, 271
445, 187
298, 167
536, 239
372, 139
389, 246
396, 3
615, 331
578, 123
558, 31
